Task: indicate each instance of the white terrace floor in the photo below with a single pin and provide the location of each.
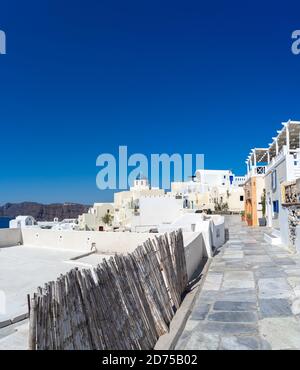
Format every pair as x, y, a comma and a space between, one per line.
22, 270
250, 298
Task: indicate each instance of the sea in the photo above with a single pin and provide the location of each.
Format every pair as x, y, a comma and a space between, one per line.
4, 222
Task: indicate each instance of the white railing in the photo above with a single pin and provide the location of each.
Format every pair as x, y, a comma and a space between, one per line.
239, 180
292, 155
276, 159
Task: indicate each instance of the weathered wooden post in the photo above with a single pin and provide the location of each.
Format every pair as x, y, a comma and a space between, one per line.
32, 325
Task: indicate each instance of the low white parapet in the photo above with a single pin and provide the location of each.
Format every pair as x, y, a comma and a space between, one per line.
10, 237
196, 250
84, 241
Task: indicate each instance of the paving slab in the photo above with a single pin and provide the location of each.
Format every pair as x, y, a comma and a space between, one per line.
274, 288
200, 312
235, 343
200, 341
269, 272
228, 328
281, 333
274, 308
284, 261
230, 316
213, 281
234, 306
238, 279
246, 295
294, 282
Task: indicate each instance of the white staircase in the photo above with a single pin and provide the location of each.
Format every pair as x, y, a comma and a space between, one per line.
273, 238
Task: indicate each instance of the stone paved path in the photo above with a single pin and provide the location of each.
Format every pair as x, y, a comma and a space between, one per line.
250, 298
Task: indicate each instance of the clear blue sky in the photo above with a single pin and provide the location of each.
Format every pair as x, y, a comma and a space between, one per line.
82, 77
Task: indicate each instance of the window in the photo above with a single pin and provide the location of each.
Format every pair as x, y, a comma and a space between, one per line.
241, 198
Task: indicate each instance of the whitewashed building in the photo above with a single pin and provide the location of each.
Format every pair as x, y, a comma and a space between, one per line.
270, 171
283, 166
93, 219
155, 210
22, 222
210, 188
126, 203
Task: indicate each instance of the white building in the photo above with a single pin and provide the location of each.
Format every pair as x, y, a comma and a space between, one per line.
218, 178
22, 222
93, 219
211, 227
126, 203
155, 210
283, 166
66, 225
212, 188
272, 187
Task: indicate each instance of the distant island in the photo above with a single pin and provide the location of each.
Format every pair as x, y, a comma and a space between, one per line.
43, 212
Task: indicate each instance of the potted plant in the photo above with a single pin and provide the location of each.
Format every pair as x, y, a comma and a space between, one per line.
107, 219
262, 220
249, 219
243, 215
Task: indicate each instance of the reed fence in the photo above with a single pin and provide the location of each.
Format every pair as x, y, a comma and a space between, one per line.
126, 302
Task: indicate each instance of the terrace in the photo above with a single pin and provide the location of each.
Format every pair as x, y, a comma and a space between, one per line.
256, 162
285, 145
31, 257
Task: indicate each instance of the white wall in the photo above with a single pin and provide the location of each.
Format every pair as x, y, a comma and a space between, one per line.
195, 251
297, 242
157, 210
217, 227
10, 237
196, 246
212, 229
186, 222
282, 175
105, 242
213, 178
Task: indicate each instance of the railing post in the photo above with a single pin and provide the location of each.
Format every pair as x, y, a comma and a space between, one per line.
32, 325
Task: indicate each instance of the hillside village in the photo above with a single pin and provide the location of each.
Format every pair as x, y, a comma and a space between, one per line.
229, 245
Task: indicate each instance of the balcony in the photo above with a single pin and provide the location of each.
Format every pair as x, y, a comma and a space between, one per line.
292, 157
275, 160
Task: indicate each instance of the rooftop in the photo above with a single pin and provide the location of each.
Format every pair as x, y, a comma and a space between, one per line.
24, 268
287, 139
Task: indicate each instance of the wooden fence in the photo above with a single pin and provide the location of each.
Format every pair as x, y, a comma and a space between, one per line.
126, 302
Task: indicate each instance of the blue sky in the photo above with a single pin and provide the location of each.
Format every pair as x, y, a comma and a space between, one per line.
82, 77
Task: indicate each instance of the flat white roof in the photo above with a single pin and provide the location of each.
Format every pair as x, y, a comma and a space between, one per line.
24, 268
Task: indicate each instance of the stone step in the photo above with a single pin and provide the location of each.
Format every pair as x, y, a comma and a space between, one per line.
272, 239
276, 233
